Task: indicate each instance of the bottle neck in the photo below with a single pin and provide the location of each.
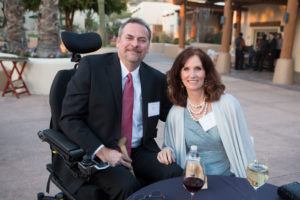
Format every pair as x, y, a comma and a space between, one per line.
194, 155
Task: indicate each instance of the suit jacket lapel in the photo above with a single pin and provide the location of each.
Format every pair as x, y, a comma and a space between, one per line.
145, 88
114, 73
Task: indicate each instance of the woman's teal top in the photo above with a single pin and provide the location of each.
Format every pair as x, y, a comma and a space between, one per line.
210, 146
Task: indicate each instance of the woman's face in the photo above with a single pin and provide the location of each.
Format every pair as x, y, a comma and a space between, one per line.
193, 74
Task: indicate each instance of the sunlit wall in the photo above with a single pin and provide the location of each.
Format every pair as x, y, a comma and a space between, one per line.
268, 13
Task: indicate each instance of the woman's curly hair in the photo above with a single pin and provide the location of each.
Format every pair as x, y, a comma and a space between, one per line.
213, 87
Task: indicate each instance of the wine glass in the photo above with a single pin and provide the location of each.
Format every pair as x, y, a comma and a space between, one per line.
257, 174
194, 177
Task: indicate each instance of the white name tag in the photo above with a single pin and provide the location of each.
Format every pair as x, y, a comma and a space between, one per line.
153, 109
208, 121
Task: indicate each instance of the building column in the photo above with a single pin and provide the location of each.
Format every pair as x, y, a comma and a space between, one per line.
182, 16
238, 23
284, 69
193, 33
224, 59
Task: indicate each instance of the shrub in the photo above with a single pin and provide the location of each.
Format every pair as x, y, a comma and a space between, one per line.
164, 38
175, 41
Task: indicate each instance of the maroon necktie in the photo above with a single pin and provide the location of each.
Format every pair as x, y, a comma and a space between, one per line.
127, 110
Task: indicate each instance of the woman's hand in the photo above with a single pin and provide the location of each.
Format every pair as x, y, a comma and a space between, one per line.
165, 156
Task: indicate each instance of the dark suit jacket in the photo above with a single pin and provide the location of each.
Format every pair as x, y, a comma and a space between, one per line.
92, 107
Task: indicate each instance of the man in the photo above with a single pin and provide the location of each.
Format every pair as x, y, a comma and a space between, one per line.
239, 52
278, 45
272, 51
262, 50
110, 92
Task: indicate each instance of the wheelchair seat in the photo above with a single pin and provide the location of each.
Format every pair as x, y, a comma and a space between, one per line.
70, 169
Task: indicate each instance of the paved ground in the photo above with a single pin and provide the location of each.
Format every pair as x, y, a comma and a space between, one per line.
272, 113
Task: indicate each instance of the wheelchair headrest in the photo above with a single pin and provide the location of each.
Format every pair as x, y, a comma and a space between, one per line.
81, 43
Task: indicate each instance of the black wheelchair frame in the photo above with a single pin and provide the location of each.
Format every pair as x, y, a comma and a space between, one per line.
77, 163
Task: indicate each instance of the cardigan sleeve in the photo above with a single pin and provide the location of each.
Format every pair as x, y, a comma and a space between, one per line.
234, 133
174, 134
169, 135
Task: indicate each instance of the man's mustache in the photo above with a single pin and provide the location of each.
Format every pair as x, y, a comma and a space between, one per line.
135, 50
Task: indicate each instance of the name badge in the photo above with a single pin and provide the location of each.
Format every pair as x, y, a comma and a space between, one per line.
208, 121
153, 108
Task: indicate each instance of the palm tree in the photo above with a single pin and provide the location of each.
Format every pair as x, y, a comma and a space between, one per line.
101, 12
14, 30
48, 26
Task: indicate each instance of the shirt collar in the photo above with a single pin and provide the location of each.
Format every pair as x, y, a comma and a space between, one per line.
125, 71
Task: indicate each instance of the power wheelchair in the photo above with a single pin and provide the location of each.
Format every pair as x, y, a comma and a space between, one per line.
70, 168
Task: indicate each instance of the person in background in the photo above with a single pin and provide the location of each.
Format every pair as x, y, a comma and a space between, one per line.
278, 45
272, 51
204, 115
239, 52
262, 50
117, 95
251, 56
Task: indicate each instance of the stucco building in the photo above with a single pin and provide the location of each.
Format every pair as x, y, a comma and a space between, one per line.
252, 17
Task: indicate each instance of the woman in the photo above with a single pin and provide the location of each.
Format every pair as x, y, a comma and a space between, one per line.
205, 116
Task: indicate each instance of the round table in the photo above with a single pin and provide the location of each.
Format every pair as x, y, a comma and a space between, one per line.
219, 187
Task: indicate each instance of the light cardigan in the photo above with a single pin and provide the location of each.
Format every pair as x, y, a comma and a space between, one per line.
232, 128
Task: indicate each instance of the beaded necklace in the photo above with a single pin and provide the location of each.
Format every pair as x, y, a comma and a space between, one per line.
197, 111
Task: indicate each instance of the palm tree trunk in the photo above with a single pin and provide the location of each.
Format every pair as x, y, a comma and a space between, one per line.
101, 11
69, 18
48, 26
14, 30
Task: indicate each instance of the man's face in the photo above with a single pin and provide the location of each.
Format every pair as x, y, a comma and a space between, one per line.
133, 44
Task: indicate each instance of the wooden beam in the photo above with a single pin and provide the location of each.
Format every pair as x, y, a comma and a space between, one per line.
193, 32
238, 23
235, 2
284, 70
182, 18
214, 7
270, 23
289, 29
225, 43
251, 2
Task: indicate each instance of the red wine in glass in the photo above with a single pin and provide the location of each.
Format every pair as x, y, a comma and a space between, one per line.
194, 177
193, 184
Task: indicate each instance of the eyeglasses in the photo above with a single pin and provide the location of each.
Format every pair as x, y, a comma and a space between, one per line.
153, 195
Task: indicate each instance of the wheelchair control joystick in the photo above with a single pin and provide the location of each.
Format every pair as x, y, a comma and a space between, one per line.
87, 166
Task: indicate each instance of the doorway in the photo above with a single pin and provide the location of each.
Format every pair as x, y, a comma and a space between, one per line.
258, 32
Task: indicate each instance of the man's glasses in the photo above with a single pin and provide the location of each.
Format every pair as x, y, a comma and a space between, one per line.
154, 195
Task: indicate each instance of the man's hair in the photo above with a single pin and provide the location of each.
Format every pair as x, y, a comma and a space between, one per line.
135, 20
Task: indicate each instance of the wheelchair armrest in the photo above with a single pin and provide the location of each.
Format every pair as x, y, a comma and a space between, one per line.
70, 151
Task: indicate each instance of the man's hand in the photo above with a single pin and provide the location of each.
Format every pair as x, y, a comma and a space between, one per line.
114, 157
166, 156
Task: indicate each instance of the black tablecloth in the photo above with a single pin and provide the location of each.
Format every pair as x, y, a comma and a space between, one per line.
219, 188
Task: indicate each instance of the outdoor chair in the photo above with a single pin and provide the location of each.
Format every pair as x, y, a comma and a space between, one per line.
70, 168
